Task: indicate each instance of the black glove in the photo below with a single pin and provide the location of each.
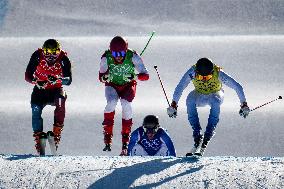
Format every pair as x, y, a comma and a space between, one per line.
52, 79
129, 77
41, 84
34, 80
244, 111
105, 78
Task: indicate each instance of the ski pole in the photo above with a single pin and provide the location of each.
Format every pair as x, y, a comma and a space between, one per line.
153, 32
156, 68
280, 97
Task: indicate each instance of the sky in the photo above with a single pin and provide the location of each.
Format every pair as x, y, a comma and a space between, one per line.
245, 38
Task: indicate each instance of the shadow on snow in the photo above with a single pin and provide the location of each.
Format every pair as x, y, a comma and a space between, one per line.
125, 176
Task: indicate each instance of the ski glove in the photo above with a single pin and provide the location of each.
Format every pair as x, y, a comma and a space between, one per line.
41, 84
172, 110
65, 80
143, 76
52, 79
244, 111
105, 78
129, 77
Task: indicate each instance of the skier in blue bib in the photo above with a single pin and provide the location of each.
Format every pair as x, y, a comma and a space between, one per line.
207, 79
150, 140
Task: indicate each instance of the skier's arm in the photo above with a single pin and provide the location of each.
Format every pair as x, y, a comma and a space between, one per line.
185, 80
103, 69
134, 138
31, 68
143, 74
168, 141
232, 83
67, 71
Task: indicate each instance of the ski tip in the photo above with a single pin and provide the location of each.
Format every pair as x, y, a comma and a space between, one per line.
280, 97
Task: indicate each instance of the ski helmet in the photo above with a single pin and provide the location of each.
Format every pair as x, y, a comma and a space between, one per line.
118, 44
151, 122
51, 46
204, 67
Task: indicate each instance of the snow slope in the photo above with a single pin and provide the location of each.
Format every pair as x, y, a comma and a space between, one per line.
106, 17
244, 37
27, 171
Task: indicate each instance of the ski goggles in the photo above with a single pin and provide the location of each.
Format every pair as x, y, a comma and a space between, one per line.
117, 54
48, 52
203, 77
150, 130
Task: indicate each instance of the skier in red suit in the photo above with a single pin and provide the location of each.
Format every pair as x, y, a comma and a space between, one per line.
117, 71
49, 69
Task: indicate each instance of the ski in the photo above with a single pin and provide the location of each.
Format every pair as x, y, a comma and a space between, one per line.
193, 157
50, 138
196, 155
42, 143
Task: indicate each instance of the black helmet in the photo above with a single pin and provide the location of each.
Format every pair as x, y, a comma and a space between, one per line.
51, 45
118, 44
151, 122
204, 66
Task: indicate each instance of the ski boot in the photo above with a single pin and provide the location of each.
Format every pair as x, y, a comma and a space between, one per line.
107, 147
108, 129
107, 140
57, 129
125, 141
40, 140
196, 147
203, 147
124, 149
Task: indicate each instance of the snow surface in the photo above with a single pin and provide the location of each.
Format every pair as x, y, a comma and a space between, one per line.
27, 171
244, 37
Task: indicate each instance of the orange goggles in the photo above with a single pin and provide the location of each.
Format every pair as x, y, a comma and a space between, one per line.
203, 78
51, 51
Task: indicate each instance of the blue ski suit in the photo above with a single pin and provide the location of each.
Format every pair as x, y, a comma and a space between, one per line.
214, 100
160, 145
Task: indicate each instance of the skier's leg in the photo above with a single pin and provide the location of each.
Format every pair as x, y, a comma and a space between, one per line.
108, 129
57, 130
215, 102
109, 112
37, 125
126, 120
37, 121
191, 103
40, 140
59, 115
193, 114
127, 95
164, 151
138, 150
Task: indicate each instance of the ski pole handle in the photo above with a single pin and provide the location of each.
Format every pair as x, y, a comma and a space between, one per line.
153, 32
280, 97
156, 68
